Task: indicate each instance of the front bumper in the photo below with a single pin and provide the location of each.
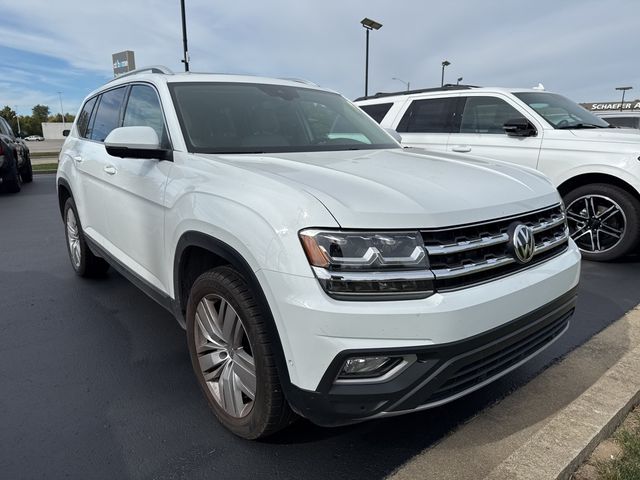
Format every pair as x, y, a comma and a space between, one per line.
441, 373
450, 333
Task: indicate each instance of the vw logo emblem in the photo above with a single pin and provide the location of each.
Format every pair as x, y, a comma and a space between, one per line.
522, 242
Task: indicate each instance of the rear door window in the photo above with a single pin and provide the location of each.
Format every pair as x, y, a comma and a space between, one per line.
486, 115
433, 115
107, 116
377, 111
85, 115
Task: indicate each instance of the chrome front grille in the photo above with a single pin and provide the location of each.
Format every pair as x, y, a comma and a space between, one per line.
469, 254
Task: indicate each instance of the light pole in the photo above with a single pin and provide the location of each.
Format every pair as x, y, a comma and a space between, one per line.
185, 60
15, 109
368, 25
61, 109
459, 80
624, 89
446, 63
400, 80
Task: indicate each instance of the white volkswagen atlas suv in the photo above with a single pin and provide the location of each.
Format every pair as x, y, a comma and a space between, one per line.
318, 268
595, 166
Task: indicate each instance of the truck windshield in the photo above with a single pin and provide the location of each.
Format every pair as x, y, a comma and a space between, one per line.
561, 112
218, 117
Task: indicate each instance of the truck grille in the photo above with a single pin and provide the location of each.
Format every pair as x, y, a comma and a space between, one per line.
471, 254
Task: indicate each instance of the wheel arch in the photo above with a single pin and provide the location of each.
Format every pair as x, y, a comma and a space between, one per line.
197, 252
64, 193
587, 178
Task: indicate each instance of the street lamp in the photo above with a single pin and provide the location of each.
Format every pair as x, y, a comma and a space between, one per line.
368, 25
446, 63
15, 109
61, 109
459, 80
185, 50
624, 89
400, 80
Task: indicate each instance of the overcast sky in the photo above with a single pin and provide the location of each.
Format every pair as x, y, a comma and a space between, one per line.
580, 48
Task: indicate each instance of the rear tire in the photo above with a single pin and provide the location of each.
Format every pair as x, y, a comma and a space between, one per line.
232, 355
27, 172
83, 261
604, 220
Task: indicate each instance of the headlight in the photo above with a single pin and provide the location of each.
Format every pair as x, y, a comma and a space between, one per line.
369, 265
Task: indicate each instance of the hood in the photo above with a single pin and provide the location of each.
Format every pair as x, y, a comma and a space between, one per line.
399, 189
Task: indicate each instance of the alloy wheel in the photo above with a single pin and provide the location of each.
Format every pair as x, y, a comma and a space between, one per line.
596, 223
225, 355
73, 238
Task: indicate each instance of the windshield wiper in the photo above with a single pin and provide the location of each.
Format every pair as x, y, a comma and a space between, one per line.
579, 126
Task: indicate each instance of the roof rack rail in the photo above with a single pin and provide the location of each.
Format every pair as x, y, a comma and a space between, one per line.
444, 88
151, 69
300, 80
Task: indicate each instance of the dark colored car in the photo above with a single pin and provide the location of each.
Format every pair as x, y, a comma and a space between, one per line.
15, 160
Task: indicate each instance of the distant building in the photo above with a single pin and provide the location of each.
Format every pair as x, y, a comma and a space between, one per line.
633, 106
53, 130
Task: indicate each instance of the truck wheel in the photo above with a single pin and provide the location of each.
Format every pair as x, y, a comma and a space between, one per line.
232, 355
83, 261
604, 221
12, 181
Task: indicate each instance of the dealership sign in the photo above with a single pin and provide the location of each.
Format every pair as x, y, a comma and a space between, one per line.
123, 62
603, 107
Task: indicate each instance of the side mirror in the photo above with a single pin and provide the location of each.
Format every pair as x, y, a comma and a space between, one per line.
519, 127
396, 136
135, 142
65, 133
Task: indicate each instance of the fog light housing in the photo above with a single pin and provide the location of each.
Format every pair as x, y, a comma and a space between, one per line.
367, 367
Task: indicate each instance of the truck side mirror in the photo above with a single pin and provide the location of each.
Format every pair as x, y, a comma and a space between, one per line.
519, 127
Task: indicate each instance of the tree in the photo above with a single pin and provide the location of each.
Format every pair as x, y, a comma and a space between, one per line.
10, 116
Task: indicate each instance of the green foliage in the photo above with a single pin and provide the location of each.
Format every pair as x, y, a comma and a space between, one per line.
10, 116
627, 466
31, 124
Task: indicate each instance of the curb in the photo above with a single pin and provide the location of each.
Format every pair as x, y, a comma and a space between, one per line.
548, 427
560, 447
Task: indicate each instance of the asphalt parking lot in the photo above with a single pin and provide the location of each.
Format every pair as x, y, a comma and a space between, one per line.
96, 381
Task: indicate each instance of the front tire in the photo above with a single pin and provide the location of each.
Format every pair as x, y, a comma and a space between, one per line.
83, 261
604, 221
12, 181
232, 355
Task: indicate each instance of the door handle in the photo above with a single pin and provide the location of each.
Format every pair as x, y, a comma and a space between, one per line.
78, 159
110, 169
461, 148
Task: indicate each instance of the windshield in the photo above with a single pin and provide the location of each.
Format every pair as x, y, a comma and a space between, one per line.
561, 112
263, 118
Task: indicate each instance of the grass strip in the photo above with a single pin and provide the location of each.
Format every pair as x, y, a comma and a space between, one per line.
627, 465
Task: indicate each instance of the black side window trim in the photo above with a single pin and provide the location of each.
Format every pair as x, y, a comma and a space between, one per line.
452, 116
125, 101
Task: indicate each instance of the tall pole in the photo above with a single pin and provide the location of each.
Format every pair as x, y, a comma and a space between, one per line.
366, 67
185, 60
61, 109
17, 119
445, 63
624, 90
